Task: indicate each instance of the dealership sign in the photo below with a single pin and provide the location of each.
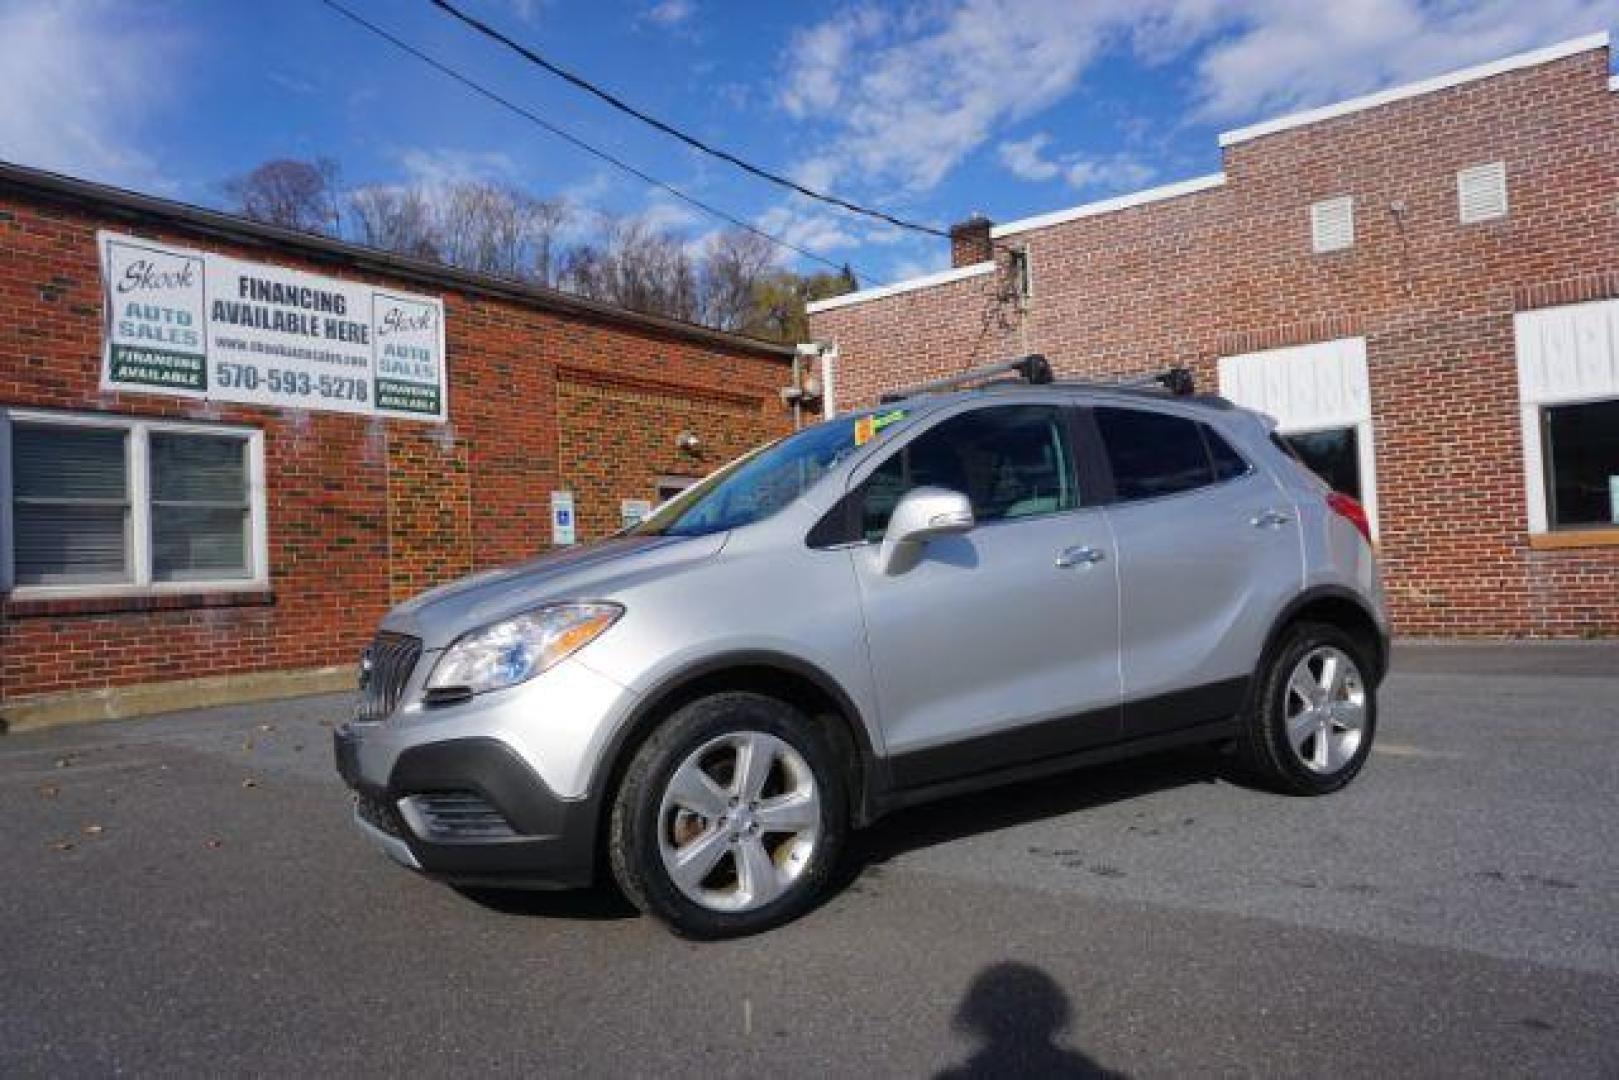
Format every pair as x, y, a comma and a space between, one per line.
203, 325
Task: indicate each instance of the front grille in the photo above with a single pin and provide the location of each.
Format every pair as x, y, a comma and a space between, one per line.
385, 668
378, 814
455, 815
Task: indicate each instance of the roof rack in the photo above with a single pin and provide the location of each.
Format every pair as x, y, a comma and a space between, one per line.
1034, 370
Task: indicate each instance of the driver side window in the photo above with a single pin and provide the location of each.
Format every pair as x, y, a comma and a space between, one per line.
1011, 461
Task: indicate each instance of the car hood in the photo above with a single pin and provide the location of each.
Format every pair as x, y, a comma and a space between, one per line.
592, 572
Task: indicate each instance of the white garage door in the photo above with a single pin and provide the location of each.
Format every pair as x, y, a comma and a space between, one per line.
1321, 399
1568, 388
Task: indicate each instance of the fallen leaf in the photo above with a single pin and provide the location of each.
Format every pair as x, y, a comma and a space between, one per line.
266, 727
250, 782
297, 748
64, 762
48, 791
210, 843
62, 845
247, 744
93, 829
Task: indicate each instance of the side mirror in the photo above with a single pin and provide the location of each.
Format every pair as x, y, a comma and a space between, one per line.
923, 514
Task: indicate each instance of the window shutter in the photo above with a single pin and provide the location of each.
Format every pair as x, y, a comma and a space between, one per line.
1481, 192
70, 501
1332, 225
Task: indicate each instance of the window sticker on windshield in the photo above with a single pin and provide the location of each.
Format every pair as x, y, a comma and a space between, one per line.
868, 426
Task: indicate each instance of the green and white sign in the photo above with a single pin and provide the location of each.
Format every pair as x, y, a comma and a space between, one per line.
203, 325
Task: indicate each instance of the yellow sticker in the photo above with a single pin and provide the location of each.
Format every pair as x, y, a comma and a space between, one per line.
863, 431
892, 417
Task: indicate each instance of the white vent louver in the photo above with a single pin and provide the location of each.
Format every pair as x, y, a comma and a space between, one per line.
1332, 224
1481, 192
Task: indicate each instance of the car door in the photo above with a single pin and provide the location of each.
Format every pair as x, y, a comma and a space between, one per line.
1208, 552
1001, 644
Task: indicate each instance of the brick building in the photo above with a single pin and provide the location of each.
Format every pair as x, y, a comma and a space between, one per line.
164, 544
1422, 286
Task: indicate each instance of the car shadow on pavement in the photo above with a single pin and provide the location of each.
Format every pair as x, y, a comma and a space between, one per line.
1016, 1013
1015, 804
599, 903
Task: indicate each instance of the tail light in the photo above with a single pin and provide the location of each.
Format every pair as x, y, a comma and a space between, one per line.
1351, 511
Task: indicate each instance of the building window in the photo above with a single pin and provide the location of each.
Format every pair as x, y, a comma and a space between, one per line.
1333, 455
1332, 225
1320, 395
1582, 464
1481, 192
670, 486
1568, 391
107, 505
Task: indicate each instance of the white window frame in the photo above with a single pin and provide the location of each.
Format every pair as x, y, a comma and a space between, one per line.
1350, 355
1577, 375
136, 462
1491, 172
1320, 213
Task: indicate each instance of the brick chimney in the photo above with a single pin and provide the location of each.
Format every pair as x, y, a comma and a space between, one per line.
969, 241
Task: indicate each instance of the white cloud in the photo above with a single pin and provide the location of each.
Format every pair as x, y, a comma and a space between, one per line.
905, 94
1028, 159
1025, 158
437, 168
798, 223
671, 12
1117, 173
78, 90
1276, 57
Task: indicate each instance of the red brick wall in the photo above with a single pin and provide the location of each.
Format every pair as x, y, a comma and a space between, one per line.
362, 512
1230, 270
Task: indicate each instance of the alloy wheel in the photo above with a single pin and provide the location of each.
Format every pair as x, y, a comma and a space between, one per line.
1325, 710
739, 821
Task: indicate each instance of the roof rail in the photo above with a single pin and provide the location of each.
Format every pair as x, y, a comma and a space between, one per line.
1032, 369
1177, 380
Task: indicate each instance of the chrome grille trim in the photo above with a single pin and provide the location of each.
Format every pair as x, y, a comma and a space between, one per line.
385, 669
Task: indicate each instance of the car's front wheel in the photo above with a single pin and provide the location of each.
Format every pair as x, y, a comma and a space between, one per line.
1314, 712
729, 818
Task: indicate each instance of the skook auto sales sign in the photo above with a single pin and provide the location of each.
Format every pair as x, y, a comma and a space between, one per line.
204, 325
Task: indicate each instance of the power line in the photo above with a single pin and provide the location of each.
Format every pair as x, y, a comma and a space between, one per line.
575, 141
668, 129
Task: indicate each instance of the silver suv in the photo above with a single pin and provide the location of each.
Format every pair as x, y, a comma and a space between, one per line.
952, 591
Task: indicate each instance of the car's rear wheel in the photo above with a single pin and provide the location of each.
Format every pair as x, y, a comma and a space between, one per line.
1314, 712
729, 818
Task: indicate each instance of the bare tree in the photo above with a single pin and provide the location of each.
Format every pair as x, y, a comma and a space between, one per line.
499, 229
394, 219
294, 194
734, 262
638, 266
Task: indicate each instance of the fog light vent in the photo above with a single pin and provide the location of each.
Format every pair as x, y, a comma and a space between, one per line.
455, 815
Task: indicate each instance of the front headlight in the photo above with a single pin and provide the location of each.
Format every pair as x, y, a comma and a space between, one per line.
506, 653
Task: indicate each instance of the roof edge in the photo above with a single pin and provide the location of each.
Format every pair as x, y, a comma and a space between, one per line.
1108, 206
1532, 58
120, 202
943, 277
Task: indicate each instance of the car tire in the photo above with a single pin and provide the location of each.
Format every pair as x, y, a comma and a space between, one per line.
705, 838
1310, 725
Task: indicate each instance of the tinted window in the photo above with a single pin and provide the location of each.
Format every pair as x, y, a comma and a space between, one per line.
1582, 463
1011, 461
1228, 464
1153, 453
1332, 455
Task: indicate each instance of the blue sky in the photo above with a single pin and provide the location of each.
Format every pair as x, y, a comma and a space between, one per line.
929, 108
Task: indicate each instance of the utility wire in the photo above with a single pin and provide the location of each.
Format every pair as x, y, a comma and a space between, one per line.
668, 129
574, 140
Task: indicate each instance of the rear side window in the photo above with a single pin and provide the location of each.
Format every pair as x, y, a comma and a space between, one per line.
1155, 454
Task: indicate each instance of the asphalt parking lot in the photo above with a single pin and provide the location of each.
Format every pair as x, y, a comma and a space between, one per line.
185, 894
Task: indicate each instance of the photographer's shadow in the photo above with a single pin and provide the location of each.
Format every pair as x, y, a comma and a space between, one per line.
1018, 1012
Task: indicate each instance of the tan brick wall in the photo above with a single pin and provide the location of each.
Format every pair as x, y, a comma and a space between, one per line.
1229, 270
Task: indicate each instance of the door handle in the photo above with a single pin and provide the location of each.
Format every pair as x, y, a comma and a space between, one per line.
1269, 519
1078, 556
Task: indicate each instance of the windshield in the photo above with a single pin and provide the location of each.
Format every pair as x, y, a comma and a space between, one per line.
758, 484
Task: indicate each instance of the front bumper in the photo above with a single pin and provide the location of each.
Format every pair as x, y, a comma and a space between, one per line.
547, 841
